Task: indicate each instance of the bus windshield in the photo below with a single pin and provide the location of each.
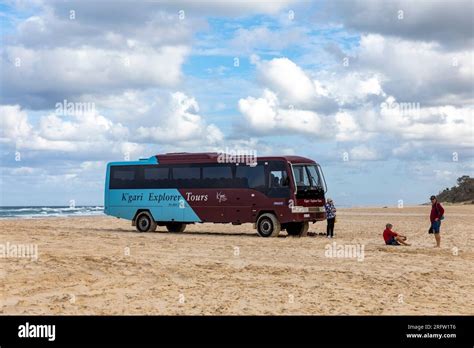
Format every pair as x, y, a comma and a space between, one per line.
308, 178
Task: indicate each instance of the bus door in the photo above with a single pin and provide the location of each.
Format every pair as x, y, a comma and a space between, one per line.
247, 194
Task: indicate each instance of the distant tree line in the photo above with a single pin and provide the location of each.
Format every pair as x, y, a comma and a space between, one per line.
462, 192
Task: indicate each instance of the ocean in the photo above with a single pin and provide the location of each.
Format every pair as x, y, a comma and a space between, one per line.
49, 211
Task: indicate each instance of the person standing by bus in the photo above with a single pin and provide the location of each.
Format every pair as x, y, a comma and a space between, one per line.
436, 215
331, 217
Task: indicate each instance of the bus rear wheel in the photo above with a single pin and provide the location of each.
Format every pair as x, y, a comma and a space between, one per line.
145, 223
176, 227
268, 226
298, 229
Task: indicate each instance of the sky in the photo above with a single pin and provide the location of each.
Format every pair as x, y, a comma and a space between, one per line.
379, 93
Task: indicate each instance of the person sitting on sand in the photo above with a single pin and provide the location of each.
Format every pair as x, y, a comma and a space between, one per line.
392, 237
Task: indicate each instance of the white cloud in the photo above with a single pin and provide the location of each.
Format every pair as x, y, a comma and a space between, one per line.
126, 107
363, 153
81, 127
181, 124
288, 80
21, 171
418, 71
265, 116
363, 111
295, 102
70, 72
448, 23
261, 38
120, 25
92, 165
106, 49
232, 7
92, 136
444, 125
348, 128
14, 123
294, 86
89, 134
352, 87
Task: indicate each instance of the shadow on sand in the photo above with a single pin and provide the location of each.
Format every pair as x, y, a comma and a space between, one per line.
196, 233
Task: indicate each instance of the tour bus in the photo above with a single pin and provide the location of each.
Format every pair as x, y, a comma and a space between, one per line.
175, 189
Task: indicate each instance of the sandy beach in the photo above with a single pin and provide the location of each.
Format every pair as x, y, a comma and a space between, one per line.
100, 265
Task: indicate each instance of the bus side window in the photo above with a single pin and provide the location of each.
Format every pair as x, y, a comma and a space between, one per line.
122, 177
278, 181
217, 176
251, 177
278, 178
275, 179
186, 176
156, 177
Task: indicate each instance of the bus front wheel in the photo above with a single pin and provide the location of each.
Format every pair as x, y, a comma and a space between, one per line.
298, 229
176, 227
145, 223
268, 226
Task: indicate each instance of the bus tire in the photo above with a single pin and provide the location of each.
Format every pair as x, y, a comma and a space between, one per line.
268, 225
176, 227
145, 223
299, 229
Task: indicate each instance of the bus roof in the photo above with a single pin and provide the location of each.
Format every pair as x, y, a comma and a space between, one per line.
212, 157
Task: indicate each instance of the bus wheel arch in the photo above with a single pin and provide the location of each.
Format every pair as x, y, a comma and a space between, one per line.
268, 225
144, 221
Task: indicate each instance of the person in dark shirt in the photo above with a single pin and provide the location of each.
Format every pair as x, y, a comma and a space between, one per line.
393, 238
436, 215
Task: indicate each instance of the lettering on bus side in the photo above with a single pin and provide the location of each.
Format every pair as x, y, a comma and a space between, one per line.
152, 197
126, 197
163, 197
196, 198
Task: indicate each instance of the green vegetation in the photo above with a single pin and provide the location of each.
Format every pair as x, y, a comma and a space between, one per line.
462, 192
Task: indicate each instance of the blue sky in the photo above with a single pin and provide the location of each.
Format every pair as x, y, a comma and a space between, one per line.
381, 96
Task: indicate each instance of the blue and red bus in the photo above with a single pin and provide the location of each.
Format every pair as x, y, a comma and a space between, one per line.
278, 193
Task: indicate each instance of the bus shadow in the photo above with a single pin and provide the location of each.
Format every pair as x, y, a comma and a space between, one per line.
108, 230
209, 233
198, 233
195, 233
236, 234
